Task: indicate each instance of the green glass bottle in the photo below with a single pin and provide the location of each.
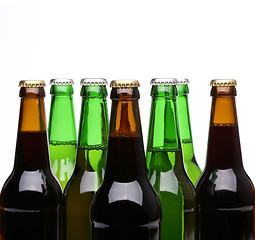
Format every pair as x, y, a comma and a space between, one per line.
165, 164
90, 161
190, 163
62, 129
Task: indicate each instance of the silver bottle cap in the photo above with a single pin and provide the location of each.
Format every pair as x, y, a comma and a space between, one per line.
182, 81
93, 81
164, 81
61, 81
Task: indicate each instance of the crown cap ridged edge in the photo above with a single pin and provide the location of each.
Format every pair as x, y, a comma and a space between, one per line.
182, 81
163, 81
93, 82
223, 82
124, 83
32, 83
61, 81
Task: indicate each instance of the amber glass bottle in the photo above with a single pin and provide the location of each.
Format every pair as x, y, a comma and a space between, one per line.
31, 196
125, 206
225, 194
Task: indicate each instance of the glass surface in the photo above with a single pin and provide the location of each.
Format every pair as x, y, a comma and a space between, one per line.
125, 206
31, 196
90, 164
190, 163
165, 165
62, 132
169, 191
225, 194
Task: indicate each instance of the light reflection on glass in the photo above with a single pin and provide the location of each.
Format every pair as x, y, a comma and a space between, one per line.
31, 181
168, 181
131, 191
225, 180
88, 182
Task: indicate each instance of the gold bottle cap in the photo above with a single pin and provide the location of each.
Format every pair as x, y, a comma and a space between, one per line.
32, 83
223, 82
93, 81
182, 81
124, 83
164, 81
61, 81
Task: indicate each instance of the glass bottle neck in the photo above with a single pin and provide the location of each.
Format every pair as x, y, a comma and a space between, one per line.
164, 123
93, 129
61, 90
164, 151
125, 156
32, 146
224, 149
184, 116
223, 111
62, 116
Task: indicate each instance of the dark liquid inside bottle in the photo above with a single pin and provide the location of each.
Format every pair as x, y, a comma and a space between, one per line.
225, 199
127, 207
32, 196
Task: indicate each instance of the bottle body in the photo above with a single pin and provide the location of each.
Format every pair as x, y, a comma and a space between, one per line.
62, 132
30, 198
90, 164
190, 163
225, 194
125, 206
166, 170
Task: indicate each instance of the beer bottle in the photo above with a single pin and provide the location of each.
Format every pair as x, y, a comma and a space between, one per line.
90, 161
62, 130
125, 206
225, 194
190, 163
165, 164
30, 197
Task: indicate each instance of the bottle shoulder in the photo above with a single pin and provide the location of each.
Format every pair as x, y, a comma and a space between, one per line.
76, 197
225, 187
172, 180
126, 201
31, 189
81, 182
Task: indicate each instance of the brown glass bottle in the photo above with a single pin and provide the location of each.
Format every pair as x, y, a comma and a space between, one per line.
31, 196
125, 206
225, 194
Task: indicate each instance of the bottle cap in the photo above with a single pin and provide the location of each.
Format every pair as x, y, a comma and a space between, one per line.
93, 81
164, 81
32, 83
61, 81
124, 83
182, 81
223, 82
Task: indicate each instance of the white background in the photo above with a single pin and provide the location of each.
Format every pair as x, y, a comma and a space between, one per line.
134, 39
